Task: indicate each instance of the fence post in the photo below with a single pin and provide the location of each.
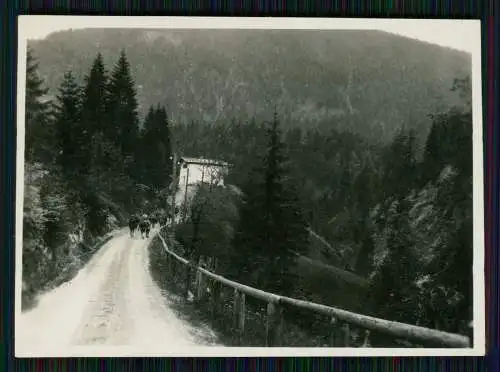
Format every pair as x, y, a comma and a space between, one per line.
271, 309
366, 342
274, 324
199, 285
241, 318
347, 334
188, 279
215, 298
169, 265
333, 332
280, 329
236, 312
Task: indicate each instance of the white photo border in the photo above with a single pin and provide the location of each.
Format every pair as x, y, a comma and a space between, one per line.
27, 26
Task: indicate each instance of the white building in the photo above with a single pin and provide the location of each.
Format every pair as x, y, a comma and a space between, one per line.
194, 171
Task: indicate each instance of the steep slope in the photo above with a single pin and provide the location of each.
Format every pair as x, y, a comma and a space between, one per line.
367, 81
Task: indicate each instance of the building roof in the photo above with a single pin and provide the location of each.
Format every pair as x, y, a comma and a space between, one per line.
203, 161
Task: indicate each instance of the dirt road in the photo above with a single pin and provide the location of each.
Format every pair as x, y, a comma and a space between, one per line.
112, 302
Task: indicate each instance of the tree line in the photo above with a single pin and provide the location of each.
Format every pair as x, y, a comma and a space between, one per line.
399, 214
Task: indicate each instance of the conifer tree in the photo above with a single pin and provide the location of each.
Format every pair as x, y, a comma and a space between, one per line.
68, 126
96, 97
101, 162
94, 108
156, 149
123, 127
145, 143
272, 228
39, 138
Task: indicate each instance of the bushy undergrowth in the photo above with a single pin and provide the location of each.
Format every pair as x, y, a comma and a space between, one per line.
56, 240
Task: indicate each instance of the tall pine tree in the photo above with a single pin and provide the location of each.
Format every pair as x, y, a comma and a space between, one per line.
68, 127
156, 150
123, 127
94, 108
272, 228
39, 136
101, 163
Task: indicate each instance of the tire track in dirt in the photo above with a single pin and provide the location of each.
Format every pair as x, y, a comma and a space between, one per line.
157, 325
106, 321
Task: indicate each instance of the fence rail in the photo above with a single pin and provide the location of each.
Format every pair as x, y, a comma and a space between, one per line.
341, 321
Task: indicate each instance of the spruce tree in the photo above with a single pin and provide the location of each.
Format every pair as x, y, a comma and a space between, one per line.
101, 162
96, 97
145, 148
68, 126
94, 109
39, 138
272, 228
156, 149
123, 127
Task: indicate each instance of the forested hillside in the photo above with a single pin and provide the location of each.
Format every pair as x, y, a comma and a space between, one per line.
396, 211
402, 222
86, 169
369, 82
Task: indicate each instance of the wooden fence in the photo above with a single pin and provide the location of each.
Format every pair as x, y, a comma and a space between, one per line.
341, 322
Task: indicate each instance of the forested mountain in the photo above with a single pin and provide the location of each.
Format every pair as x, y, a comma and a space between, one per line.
295, 117
370, 82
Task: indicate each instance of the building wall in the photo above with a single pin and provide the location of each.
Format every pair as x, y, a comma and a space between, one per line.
199, 173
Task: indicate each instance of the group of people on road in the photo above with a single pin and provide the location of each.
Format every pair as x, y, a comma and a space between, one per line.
145, 223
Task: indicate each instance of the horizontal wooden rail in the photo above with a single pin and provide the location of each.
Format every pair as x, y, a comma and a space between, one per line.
395, 329
254, 292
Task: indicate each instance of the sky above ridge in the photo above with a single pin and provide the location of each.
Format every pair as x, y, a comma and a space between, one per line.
458, 34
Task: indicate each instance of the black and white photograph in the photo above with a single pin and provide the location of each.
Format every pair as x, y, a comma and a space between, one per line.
198, 186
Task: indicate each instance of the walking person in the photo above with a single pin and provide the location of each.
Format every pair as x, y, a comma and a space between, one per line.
145, 226
133, 223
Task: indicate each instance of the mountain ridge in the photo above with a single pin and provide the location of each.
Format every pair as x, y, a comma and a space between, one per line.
369, 82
